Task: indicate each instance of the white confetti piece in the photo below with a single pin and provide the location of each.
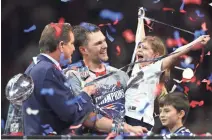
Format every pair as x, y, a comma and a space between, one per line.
188, 73
31, 112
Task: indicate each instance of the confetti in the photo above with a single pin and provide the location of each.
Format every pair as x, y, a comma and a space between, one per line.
48, 129
109, 37
119, 137
210, 78
173, 88
47, 91
142, 110
116, 22
110, 135
198, 2
199, 14
75, 127
87, 26
108, 14
118, 84
65, 0
118, 50
29, 111
128, 36
179, 88
177, 37
156, 1
186, 89
188, 73
168, 9
32, 28
75, 100
190, 18
209, 53
2, 124
93, 119
112, 29
198, 33
193, 104
182, 8
184, 65
188, 60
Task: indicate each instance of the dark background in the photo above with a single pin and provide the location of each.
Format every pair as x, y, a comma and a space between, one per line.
18, 47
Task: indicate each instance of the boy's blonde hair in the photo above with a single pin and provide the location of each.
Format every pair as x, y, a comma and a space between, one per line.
159, 47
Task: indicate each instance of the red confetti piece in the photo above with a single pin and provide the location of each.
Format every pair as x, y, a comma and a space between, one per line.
190, 18
193, 79
118, 84
193, 104
147, 21
174, 42
158, 89
118, 50
184, 56
110, 135
209, 53
115, 22
168, 9
128, 36
75, 127
58, 28
182, 11
149, 26
186, 89
198, 2
198, 82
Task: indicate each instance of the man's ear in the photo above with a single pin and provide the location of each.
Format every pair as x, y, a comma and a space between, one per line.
82, 50
60, 46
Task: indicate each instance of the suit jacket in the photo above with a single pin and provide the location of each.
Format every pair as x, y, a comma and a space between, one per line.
54, 112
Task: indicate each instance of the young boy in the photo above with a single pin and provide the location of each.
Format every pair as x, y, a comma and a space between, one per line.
174, 108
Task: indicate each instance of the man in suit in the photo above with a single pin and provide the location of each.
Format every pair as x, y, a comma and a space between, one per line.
52, 107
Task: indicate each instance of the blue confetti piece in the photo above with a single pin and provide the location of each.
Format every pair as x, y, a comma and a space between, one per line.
184, 65
87, 26
210, 78
65, 0
180, 88
49, 130
119, 137
45, 125
113, 30
156, 1
73, 101
33, 27
182, 6
47, 91
93, 119
142, 110
2, 124
199, 14
99, 116
109, 37
108, 14
198, 33
177, 37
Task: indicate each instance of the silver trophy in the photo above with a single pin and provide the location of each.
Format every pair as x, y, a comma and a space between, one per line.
18, 89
